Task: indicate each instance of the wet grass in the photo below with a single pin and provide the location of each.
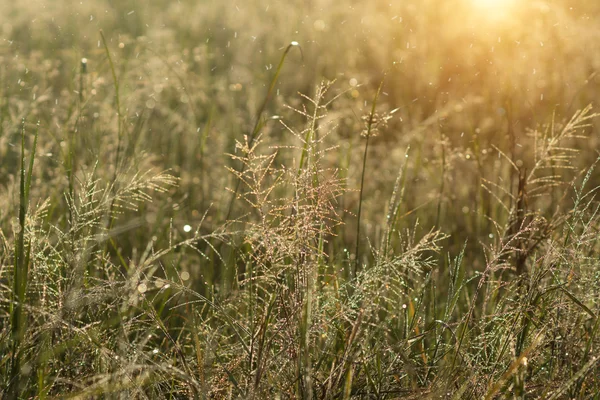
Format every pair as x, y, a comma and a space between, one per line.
406, 207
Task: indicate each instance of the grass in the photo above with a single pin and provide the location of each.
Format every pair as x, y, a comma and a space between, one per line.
22, 259
405, 208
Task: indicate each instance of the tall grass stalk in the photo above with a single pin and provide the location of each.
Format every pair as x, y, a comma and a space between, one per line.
117, 164
367, 134
442, 182
22, 257
258, 121
117, 104
395, 203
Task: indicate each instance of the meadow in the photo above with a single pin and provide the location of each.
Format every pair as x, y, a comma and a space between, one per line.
300, 199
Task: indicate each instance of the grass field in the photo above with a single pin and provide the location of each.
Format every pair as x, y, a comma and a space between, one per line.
223, 199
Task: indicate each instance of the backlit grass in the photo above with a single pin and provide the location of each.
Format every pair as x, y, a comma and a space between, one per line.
301, 199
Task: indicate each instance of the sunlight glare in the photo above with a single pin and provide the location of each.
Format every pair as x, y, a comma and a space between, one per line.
493, 4
494, 10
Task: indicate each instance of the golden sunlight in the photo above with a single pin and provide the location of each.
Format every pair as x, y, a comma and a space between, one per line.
494, 10
494, 4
